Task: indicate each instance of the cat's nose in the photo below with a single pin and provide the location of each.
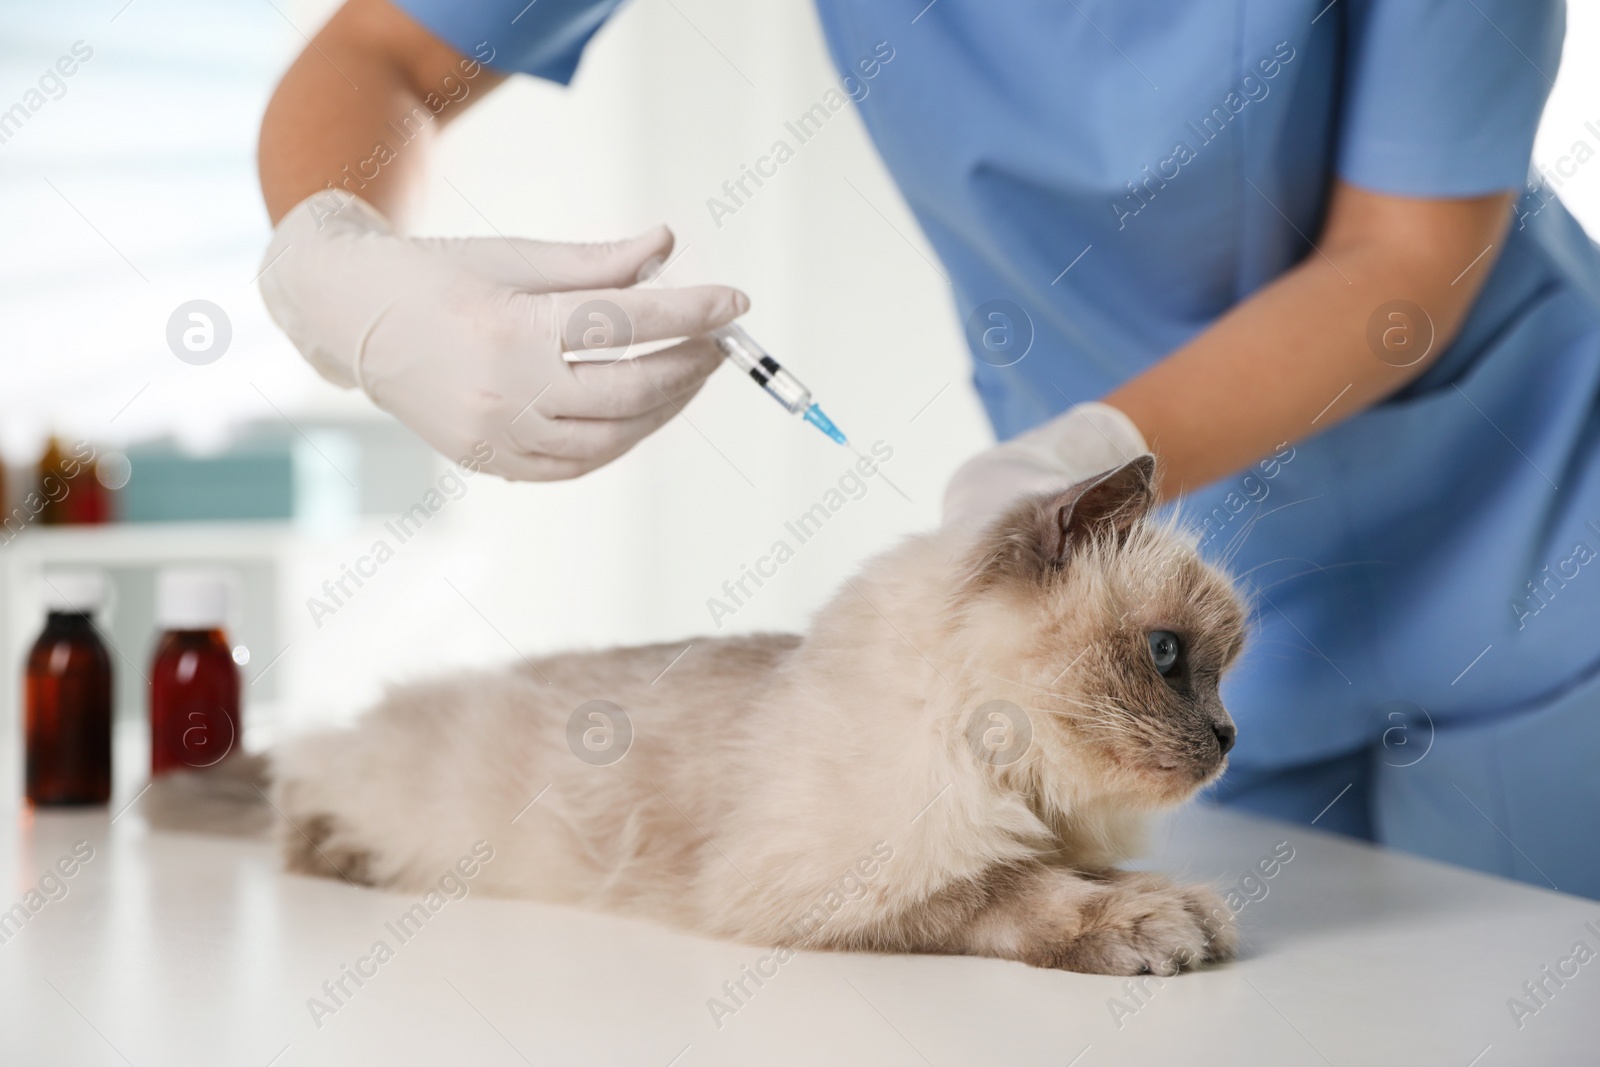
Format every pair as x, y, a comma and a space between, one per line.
1226, 733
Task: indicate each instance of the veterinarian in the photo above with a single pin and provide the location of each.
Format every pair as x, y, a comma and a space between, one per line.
1290, 247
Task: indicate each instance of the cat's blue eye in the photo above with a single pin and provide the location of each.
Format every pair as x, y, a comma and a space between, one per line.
1164, 650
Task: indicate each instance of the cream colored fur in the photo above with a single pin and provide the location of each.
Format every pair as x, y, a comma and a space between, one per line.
825, 791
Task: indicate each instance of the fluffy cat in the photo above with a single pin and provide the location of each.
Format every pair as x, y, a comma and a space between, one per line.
954, 760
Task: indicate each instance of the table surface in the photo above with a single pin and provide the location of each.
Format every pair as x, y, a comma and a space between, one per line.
171, 949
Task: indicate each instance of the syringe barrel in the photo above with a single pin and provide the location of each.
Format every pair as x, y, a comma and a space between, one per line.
744, 352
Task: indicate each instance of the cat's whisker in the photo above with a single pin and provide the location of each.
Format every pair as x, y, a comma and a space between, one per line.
1236, 543
1111, 726
1320, 569
1080, 703
1245, 575
1079, 720
974, 669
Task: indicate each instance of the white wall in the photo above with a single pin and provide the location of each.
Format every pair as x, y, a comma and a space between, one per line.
1575, 105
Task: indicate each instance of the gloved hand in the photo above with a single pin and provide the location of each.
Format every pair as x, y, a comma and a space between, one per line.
1085, 440
461, 339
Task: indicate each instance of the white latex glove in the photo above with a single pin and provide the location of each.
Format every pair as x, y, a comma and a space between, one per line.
1084, 441
461, 339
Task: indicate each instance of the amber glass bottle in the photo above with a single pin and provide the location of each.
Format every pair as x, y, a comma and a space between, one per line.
194, 683
68, 697
72, 494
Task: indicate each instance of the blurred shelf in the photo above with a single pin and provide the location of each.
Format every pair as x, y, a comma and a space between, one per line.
141, 542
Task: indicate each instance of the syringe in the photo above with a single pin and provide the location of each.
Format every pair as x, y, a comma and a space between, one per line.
743, 351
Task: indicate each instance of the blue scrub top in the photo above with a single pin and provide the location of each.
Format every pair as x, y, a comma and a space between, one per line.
1126, 173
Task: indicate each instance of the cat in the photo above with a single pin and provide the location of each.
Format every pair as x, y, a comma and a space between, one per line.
955, 759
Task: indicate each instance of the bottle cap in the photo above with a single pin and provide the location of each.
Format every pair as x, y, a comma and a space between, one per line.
192, 599
74, 591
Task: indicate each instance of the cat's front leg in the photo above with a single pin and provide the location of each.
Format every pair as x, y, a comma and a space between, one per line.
1118, 922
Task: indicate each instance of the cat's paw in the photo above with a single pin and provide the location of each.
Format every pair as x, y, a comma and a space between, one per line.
317, 846
1144, 925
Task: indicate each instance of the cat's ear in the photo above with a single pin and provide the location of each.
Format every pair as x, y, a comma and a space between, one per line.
1037, 536
1108, 504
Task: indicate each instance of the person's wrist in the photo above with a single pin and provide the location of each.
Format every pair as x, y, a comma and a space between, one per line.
329, 209
1086, 440
291, 280
1093, 437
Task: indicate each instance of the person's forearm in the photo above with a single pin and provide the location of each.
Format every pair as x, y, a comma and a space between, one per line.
1294, 358
359, 107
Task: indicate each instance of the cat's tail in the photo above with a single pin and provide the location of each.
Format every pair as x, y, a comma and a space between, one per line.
229, 798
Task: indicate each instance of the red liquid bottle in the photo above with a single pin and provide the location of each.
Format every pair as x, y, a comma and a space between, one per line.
68, 697
73, 495
194, 683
